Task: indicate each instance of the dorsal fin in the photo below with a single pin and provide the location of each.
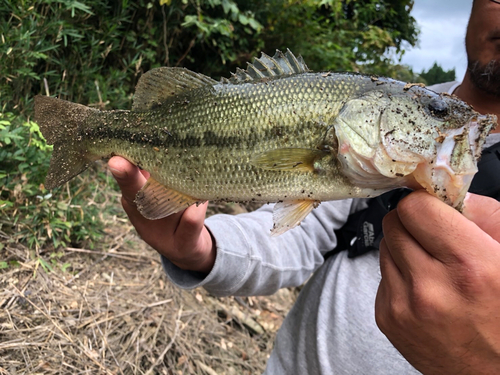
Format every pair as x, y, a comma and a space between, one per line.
157, 85
266, 66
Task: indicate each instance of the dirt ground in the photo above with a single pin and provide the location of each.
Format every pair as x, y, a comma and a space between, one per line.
113, 311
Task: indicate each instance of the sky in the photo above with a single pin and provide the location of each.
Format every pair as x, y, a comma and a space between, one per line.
442, 25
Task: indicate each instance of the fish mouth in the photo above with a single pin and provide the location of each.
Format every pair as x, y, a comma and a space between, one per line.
450, 174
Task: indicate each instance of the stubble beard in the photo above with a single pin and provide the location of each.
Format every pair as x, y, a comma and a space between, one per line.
486, 77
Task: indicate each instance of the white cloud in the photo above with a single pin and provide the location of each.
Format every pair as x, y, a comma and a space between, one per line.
442, 25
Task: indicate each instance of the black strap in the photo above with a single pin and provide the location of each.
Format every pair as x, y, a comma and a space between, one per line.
487, 179
363, 230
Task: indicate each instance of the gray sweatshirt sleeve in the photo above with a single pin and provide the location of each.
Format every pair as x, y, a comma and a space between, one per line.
251, 262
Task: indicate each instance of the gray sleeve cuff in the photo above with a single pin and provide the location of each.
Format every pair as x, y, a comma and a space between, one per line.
182, 278
232, 260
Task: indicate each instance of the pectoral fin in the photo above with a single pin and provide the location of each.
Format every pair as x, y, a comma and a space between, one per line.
289, 214
155, 201
289, 159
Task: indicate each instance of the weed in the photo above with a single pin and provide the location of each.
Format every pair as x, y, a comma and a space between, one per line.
70, 215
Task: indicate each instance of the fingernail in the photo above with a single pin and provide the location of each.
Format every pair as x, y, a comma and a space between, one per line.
117, 173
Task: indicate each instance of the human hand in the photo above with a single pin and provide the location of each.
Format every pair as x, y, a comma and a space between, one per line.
182, 237
439, 298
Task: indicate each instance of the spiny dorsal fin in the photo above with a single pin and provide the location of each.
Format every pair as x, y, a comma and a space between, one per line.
266, 66
159, 84
155, 201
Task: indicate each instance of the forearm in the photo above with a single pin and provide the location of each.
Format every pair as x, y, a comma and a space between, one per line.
251, 262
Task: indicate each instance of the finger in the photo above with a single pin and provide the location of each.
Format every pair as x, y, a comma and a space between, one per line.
484, 212
189, 225
388, 268
405, 252
441, 230
131, 179
191, 233
391, 291
128, 176
192, 221
170, 236
145, 173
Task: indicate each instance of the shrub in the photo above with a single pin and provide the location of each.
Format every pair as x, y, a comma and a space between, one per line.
93, 51
69, 215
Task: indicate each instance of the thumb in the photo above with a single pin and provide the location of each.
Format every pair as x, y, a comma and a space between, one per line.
192, 222
484, 212
128, 176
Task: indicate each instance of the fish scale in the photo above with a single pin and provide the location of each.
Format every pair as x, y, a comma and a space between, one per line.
220, 166
273, 133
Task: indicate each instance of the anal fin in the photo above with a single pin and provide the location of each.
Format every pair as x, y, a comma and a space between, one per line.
156, 201
289, 214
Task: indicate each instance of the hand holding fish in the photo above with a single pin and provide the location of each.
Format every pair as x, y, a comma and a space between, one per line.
180, 237
438, 298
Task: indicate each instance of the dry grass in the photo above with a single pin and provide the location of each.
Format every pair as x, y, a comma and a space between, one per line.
113, 311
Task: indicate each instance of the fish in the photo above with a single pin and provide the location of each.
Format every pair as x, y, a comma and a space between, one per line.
273, 132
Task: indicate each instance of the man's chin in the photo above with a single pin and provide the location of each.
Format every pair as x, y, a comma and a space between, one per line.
485, 77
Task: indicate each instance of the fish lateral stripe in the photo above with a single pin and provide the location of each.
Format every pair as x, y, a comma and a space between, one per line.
162, 137
160, 141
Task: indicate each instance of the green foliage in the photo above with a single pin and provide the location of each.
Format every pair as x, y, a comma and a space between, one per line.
93, 51
31, 214
436, 74
349, 35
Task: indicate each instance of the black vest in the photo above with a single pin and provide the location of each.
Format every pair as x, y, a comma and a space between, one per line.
363, 230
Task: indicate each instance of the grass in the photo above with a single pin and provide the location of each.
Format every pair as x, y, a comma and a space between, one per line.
111, 310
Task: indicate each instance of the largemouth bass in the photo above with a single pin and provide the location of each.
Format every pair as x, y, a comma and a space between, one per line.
274, 132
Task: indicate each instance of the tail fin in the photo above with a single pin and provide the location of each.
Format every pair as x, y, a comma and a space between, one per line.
60, 122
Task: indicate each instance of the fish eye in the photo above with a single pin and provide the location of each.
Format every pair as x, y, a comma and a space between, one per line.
438, 107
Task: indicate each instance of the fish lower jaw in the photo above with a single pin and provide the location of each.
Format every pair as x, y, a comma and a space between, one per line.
443, 183
450, 174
